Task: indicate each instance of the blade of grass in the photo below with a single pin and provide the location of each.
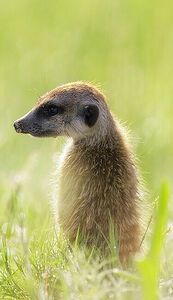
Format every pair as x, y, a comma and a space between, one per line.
149, 267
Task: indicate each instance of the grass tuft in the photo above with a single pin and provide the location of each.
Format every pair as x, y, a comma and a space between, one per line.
150, 266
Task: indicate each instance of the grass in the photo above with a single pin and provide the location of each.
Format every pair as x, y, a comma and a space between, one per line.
150, 266
125, 47
47, 267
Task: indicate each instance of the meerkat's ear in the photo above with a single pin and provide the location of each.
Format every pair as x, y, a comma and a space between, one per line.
91, 113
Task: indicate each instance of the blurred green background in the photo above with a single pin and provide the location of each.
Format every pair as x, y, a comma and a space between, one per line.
125, 47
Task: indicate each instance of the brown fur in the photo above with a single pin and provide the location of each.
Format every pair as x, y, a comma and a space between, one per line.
97, 175
98, 180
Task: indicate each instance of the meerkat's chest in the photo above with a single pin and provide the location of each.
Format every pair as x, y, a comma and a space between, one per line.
83, 176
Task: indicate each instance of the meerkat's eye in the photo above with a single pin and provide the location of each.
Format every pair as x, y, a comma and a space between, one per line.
52, 110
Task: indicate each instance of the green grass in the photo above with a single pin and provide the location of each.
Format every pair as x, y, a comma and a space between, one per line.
125, 47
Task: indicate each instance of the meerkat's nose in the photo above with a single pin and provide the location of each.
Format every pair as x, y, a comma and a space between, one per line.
17, 126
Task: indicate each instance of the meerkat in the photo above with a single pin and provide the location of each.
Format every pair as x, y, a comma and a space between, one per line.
98, 177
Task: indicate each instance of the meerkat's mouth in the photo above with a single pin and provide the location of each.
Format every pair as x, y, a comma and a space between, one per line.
34, 130
42, 134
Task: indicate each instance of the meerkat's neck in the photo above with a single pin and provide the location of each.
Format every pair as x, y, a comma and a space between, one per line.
113, 138
111, 151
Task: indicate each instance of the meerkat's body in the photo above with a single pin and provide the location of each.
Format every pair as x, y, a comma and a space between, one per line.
96, 183
97, 178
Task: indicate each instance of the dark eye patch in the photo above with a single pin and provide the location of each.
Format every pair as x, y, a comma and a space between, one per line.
50, 110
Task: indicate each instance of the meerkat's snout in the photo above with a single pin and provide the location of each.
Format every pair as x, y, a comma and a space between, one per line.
22, 125
17, 127
28, 124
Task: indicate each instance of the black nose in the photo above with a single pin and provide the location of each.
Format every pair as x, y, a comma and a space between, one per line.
17, 126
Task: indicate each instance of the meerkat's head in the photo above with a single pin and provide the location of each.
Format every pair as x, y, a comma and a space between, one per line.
77, 110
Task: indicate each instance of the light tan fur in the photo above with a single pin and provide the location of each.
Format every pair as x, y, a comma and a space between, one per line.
97, 177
